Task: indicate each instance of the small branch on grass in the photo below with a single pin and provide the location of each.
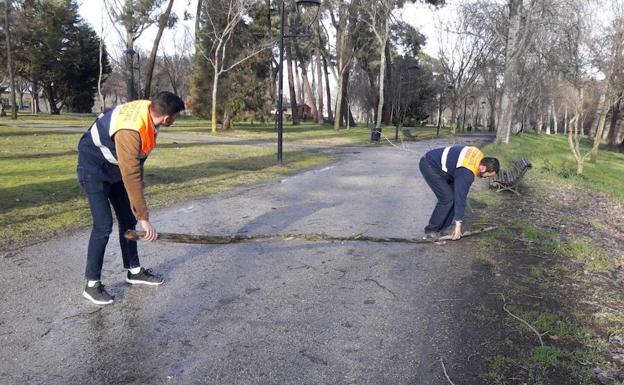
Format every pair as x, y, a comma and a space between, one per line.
537, 333
445, 373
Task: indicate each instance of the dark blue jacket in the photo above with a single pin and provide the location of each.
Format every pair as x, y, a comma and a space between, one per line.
460, 178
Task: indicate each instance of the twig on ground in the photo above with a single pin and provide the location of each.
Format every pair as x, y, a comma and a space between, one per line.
381, 286
537, 333
445, 373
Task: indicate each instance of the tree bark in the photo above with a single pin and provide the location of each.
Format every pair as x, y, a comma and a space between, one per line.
291, 86
330, 116
213, 107
382, 73
508, 101
306, 83
387, 117
50, 95
554, 112
227, 120
614, 139
163, 20
319, 82
9, 52
604, 109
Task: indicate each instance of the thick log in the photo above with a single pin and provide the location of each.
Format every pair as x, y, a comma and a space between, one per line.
227, 239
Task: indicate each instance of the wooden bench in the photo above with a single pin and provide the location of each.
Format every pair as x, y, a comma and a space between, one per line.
509, 179
407, 134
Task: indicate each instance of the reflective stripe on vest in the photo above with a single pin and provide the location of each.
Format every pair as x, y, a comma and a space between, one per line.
444, 156
95, 136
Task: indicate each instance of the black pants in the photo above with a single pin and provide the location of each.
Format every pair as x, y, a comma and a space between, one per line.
101, 196
442, 186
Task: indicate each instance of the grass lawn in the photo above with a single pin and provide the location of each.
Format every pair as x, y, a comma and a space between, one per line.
553, 161
41, 197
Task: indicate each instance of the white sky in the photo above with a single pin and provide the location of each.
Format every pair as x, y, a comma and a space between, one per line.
423, 17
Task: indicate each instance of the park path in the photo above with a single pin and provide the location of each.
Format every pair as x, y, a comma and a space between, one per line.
283, 312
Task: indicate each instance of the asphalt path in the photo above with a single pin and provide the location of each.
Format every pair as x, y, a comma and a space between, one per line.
279, 312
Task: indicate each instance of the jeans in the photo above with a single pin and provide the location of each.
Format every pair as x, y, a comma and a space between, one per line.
442, 186
101, 196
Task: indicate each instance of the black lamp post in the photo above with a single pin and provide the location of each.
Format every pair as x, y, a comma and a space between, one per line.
280, 83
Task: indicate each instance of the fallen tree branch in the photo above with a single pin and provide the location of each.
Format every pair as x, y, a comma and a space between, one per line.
227, 239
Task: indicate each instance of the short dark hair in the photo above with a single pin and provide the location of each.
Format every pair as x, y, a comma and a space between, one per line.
167, 103
491, 164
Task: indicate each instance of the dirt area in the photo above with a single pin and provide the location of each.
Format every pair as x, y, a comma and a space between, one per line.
553, 268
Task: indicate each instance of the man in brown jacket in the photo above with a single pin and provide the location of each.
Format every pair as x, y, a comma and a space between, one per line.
110, 170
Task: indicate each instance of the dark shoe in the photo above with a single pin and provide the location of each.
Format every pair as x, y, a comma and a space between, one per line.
145, 277
431, 234
97, 294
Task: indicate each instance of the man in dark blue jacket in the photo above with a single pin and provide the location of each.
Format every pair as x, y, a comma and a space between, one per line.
450, 171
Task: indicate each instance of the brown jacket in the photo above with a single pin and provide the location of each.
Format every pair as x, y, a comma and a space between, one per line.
128, 147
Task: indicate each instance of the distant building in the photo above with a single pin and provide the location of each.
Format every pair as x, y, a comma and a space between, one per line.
303, 111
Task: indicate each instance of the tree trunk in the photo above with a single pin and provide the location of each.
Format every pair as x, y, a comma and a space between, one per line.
306, 83
554, 113
215, 84
549, 117
163, 20
613, 131
330, 116
382, 73
9, 52
291, 86
387, 106
508, 102
129, 57
298, 83
227, 120
319, 84
338, 118
54, 109
573, 133
604, 109
101, 65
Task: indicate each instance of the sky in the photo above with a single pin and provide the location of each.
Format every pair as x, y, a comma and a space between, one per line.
424, 17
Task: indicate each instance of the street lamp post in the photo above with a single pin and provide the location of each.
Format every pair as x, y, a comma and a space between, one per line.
280, 82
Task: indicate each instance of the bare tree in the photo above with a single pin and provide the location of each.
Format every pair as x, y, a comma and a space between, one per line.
134, 17
219, 32
465, 49
380, 17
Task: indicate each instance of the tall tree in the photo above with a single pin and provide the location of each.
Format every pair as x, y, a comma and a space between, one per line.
164, 20
58, 52
131, 18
